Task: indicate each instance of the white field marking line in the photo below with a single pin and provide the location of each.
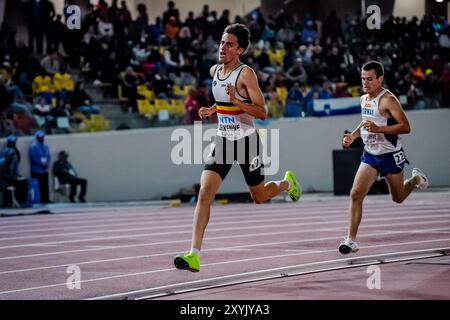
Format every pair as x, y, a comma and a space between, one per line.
91, 213
232, 247
213, 238
315, 212
205, 265
279, 270
228, 248
215, 219
187, 214
280, 218
210, 230
163, 212
77, 219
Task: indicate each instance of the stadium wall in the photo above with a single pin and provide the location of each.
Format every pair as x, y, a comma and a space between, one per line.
136, 164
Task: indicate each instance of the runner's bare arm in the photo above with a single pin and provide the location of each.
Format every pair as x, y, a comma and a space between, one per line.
395, 110
257, 107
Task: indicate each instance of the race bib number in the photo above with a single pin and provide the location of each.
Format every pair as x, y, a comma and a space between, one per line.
399, 157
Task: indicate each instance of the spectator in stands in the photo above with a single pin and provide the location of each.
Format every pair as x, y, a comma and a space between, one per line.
62, 83
42, 83
55, 34
171, 29
38, 15
39, 163
191, 105
309, 35
9, 177
174, 59
105, 28
41, 110
170, 12
296, 73
294, 102
51, 63
162, 84
11, 141
124, 13
65, 173
141, 21
79, 97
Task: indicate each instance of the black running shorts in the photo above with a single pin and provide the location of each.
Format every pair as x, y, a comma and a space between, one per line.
246, 151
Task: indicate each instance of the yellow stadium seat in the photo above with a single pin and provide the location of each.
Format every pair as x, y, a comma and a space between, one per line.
178, 107
275, 109
161, 104
181, 91
282, 94
120, 95
145, 92
145, 108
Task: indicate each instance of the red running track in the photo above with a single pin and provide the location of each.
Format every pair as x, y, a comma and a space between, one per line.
121, 250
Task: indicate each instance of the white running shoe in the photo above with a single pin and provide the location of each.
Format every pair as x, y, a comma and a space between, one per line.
347, 245
424, 182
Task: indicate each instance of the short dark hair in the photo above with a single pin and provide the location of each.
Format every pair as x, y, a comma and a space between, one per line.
374, 65
241, 32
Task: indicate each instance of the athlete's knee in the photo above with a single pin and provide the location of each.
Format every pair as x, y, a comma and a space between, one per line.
397, 198
357, 195
206, 195
258, 199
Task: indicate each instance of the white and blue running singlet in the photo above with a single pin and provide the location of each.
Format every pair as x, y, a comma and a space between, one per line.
377, 143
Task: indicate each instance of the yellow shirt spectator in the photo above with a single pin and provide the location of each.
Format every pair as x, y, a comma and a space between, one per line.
63, 81
42, 83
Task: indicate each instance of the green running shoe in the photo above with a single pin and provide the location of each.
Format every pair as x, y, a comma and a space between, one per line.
295, 189
189, 261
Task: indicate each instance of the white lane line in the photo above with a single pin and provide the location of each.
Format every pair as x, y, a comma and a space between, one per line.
208, 238
215, 218
277, 269
161, 213
181, 212
210, 230
205, 265
216, 222
245, 247
213, 230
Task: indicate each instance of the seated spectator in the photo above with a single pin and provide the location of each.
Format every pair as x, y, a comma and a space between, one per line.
105, 28
62, 109
11, 141
9, 177
65, 173
174, 59
88, 109
191, 105
43, 86
62, 80
296, 73
140, 54
78, 97
315, 93
171, 29
51, 63
294, 102
41, 110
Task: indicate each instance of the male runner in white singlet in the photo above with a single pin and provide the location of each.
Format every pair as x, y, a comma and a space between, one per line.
383, 119
238, 101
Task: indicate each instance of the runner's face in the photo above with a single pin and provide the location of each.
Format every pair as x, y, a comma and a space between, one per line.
229, 49
370, 82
